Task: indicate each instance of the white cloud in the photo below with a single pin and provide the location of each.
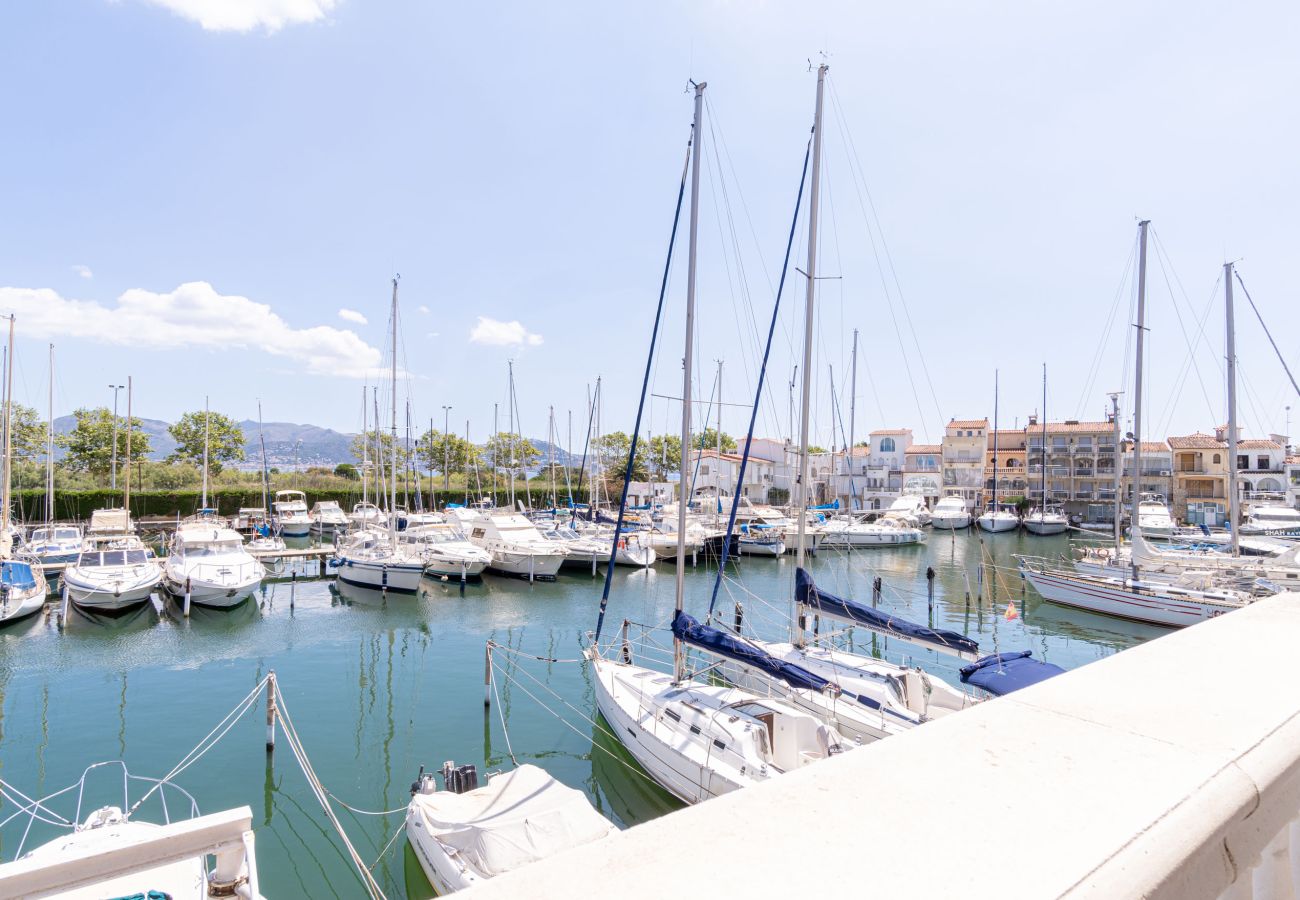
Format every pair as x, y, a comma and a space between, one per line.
423, 309
193, 315
502, 334
83, 271
351, 315
246, 15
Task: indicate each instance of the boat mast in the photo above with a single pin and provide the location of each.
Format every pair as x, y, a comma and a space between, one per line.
1137, 381
717, 494
510, 415
126, 494
266, 487
206, 435
853, 408
550, 439
994, 507
1119, 469
1234, 501
801, 480
697, 137
392, 486
6, 492
365, 445
1042, 513
50, 446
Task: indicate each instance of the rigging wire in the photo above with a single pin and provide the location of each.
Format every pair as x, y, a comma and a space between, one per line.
1267, 333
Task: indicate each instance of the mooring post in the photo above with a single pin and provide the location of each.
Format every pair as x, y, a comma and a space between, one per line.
293, 584
271, 712
627, 647
929, 589
186, 610
63, 609
487, 676
979, 581
593, 565
531, 562
740, 616
462, 579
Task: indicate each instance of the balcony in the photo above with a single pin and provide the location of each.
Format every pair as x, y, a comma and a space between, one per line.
1197, 805
1083, 472
1083, 495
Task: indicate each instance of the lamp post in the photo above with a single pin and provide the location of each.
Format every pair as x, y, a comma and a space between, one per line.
446, 448
296, 446
115, 388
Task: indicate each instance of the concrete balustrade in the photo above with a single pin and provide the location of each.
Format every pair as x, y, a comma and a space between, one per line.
1170, 770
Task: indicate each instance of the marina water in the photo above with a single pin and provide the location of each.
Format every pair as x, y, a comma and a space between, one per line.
379, 686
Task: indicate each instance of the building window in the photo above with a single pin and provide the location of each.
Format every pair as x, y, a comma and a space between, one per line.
1217, 459
887, 445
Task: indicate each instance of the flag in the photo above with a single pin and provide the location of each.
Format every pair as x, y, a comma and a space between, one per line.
1011, 611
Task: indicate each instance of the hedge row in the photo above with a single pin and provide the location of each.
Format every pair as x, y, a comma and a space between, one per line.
29, 505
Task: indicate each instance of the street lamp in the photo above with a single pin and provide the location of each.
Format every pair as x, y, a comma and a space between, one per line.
446, 448
296, 445
115, 388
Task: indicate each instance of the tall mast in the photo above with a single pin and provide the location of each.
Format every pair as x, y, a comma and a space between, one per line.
853, 407
6, 492
126, 493
50, 445
1119, 468
365, 444
392, 456
1137, 380
810, 298
550, 439
261, 436
717, 506
496, 443
1234, 501
206, 435
1043, 465
510, 415
994, 507
697, 137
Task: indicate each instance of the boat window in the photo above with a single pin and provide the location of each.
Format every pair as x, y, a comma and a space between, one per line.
66, 534
89, 560
114, 558
136, 556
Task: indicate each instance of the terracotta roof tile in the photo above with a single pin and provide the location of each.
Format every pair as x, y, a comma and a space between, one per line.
924, 448
968, 423
1254, 444
1198, 441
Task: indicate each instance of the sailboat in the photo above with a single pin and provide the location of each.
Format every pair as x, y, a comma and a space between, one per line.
53, 544
1131, 594
373, 557
22, 582
699, 740
994, 519
1045, 519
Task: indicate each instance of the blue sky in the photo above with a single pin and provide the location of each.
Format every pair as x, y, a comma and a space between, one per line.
517, 163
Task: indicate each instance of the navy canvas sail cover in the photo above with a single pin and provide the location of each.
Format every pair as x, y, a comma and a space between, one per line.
811, 596
1003, 673
688, 629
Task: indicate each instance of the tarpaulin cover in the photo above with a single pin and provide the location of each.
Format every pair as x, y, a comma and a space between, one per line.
517, 818
688, 629
17, 575
1003, 673
811, 596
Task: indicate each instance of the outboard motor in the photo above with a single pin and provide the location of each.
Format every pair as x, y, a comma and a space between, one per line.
459, 779
423, 783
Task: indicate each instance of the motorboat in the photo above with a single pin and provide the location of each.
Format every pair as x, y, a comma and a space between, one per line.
291, 515
1153, 517
446, 552
112, 575
373, 558
1272, 521
856, 531
22, 587
55, 544
1046, 521
580, 550
208, 564
998, 519
327, 517
465, 834
950, 513
365, 514
910, 509
517, 547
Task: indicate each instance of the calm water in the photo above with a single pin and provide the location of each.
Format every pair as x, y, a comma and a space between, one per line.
378, 687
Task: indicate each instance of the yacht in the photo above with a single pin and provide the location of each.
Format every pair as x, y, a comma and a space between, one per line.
999, 519
112, 575
55, 544
208, 563
291, 513
445, 550
22, 587
366, 513
518, 548
327, 517
374, 558
855, 531
1153, 517
1275, 521
911, 510
950, 513
1045, 521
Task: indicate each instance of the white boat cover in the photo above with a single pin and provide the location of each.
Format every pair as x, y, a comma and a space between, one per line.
109, 521
517, 818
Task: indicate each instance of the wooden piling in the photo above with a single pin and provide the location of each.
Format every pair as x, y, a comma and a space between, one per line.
271, 712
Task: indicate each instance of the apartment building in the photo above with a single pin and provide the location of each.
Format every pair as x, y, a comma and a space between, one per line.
871, 477
719, 472
1200, 495
923, 471
1009, 476
1079, 459
965, 444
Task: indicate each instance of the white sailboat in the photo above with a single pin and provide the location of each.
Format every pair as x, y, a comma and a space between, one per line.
22, 583
1046, 519
701, 740
995, 518
373, 557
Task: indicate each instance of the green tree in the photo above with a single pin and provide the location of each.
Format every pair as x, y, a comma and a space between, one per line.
435, 447
348, 471
28, 434
225, 439
502, 448
708, 440
89, 444
364, 447
613, 449
665, 456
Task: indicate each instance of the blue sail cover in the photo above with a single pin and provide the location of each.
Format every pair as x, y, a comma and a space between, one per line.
1003, 673
17, 576
688, 629
811, 596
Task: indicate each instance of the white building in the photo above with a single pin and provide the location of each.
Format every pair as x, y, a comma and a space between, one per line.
718, 473
871, 477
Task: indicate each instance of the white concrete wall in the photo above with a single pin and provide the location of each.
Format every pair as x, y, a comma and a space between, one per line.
1162, 772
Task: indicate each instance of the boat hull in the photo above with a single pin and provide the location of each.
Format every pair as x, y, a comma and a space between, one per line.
110, 596
219, 595
525, 565
950, 523
391, 576
1034, 526
1121, 601
998, 524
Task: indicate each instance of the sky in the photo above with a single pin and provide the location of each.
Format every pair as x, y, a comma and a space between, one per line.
213, 197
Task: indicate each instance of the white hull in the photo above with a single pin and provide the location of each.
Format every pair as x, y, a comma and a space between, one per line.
447, 567
373, 573
21, 606
524, 564
1115, 598
221, 594
996, 523
300, 528
950, 522
111, 596
764, 548
863, 537
1045, 527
